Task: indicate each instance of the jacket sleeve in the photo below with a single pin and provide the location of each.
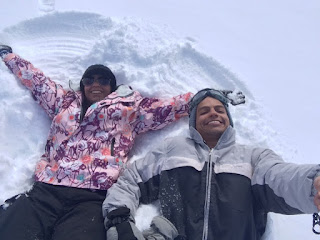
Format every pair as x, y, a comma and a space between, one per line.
281, 187
124, 193
154, 113
46, 92
139, 183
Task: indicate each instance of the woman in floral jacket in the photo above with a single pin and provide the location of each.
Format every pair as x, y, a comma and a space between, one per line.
91, 134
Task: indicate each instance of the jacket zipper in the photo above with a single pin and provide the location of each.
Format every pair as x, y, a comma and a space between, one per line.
112, 146
207, 198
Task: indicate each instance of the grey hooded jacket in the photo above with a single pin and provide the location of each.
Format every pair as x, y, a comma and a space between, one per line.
220, 193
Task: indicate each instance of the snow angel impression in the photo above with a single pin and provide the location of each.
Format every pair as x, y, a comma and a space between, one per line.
91, 134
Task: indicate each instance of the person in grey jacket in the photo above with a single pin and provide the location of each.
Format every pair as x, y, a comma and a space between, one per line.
207, 185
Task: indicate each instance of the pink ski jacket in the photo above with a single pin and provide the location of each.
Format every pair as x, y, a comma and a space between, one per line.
91, 153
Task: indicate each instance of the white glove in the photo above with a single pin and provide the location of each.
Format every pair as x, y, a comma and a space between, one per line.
235, 97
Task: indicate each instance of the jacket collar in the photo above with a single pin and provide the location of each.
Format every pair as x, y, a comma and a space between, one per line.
124, 93
227, 138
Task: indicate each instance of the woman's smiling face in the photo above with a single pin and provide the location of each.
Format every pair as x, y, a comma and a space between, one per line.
96, 92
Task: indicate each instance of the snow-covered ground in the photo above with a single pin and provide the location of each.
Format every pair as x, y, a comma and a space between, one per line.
153, 59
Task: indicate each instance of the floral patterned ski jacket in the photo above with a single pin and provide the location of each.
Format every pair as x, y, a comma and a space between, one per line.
91, 153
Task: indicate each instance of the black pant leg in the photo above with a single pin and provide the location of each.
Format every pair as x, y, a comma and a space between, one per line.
30, 216
83, 219
19, 221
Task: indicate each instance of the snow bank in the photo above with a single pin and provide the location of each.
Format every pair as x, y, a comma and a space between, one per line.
152, 59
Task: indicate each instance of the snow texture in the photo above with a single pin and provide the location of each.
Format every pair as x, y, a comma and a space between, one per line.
151, 58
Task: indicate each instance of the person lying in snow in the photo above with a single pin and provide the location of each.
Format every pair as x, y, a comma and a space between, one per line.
207, 185
91, 134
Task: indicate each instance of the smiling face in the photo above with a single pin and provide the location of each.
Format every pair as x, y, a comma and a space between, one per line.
96, 92
211, 120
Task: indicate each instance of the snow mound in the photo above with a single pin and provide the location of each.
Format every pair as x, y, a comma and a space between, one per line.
152, 59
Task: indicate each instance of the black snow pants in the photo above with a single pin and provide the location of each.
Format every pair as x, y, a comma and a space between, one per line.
49, 212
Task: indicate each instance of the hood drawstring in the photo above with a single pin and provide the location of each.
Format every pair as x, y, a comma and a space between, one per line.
82, 104
208, 198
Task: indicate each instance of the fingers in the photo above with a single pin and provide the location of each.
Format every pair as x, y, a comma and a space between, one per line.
316, 184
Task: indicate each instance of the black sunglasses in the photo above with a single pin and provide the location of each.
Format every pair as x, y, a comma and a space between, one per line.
89, 81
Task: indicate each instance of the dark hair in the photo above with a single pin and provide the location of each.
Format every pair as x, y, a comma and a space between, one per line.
96, 69
102, 70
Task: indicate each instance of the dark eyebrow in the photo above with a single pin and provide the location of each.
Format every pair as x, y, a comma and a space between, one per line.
216, 106
219, 106
203, 108
206, 108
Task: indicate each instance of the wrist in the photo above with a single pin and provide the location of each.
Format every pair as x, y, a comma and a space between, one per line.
314, 189
118, 216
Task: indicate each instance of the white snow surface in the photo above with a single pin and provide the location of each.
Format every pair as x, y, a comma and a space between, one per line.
150, 58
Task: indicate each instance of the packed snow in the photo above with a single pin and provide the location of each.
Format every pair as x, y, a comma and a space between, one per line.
150, 58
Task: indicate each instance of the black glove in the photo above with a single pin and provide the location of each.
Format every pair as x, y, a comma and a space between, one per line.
4, 50
120, 226
235, 98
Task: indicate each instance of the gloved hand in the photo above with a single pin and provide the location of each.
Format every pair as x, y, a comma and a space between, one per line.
124, 231
4, 50
120, 225
235, 97
160, 229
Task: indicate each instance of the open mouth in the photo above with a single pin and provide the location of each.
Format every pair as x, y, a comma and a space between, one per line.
96, 92
214, 122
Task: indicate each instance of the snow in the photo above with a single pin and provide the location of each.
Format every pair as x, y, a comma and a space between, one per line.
153, 59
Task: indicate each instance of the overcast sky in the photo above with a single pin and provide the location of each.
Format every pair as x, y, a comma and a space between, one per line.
273, 46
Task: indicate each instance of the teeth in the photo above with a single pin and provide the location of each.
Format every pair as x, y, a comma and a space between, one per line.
214, 121
96, 91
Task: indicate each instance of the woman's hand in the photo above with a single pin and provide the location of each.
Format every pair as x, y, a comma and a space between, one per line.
316, 199
4, 50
